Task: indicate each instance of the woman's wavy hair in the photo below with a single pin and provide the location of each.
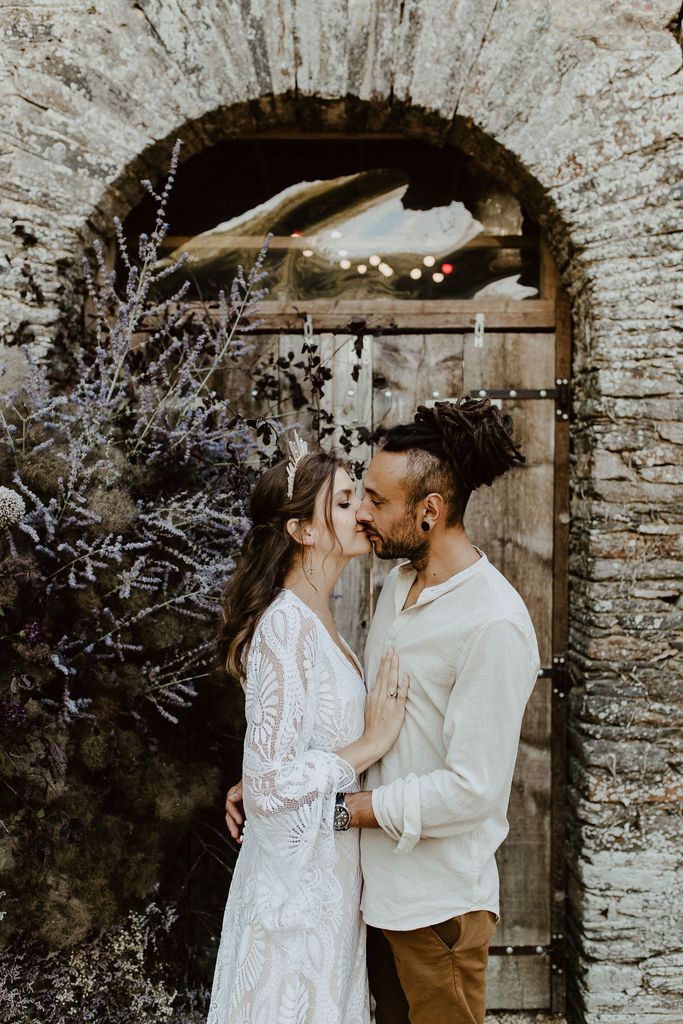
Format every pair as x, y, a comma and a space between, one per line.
453, 448
268, 550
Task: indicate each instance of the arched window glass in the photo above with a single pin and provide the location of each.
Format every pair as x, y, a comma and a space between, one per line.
408, 222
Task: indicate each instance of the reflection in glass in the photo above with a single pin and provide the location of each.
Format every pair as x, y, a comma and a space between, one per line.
353, 237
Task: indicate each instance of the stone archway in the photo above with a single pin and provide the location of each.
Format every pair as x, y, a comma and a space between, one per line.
574, 111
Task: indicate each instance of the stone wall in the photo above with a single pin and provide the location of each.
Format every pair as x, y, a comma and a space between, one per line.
577, 108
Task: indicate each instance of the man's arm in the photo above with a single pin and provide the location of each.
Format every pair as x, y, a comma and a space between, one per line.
360, 809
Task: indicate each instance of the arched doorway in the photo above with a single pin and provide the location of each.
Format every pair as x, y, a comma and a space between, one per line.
414, 275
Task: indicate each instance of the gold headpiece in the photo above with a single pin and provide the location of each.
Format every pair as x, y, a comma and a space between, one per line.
297, 449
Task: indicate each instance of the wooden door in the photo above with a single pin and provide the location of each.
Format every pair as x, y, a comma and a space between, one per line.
520, 522
512, 521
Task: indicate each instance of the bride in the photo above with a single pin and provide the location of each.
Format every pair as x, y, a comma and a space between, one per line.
292, 945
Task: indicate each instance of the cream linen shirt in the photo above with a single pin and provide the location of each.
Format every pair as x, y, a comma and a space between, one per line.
440, 795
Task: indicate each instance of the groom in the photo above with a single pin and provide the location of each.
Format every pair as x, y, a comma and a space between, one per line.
434, 809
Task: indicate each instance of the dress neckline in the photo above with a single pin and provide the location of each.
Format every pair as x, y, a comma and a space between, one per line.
353, 658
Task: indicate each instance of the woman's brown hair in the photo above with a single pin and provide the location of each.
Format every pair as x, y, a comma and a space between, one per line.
268, 550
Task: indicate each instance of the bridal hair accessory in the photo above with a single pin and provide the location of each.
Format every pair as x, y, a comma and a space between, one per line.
297, 449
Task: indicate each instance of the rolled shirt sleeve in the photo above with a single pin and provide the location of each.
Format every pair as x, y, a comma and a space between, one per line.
480, 734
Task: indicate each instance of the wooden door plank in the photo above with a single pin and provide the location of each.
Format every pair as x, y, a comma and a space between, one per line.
518, 982
561, 511
290, 413
407, 371
350, 401
512, 521
549, 278
509, 360
338, 315
524, 858
560, 629
239, 379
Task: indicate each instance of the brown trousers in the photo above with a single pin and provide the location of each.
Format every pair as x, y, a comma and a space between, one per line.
433, 975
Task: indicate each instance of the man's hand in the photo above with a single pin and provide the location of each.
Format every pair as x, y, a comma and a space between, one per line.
360, 809
234, 811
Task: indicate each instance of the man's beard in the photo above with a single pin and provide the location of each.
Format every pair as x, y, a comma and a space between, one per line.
405, 541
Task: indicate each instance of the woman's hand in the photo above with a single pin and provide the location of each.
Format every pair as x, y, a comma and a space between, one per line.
385, 709
385, 705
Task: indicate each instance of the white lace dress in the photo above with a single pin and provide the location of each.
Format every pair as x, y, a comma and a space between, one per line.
292, 947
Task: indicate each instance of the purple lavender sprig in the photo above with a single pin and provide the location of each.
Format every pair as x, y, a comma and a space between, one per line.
128, 487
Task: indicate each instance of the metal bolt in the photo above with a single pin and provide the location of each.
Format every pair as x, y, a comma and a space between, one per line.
513, 393
543, 392
350, 392
509, 950
482, 393
539, 949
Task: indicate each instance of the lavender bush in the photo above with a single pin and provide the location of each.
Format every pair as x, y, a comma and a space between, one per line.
122, 506
125, 503
120, 977
125, 471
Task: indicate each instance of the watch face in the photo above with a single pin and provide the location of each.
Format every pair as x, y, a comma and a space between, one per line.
341, 817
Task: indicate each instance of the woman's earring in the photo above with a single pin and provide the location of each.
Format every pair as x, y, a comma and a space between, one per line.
309, 561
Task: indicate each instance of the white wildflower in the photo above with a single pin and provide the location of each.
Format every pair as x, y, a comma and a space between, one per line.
12, 506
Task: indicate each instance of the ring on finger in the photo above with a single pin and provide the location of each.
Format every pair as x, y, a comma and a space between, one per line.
393, 694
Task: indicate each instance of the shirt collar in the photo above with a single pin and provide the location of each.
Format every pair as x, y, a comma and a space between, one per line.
407, 574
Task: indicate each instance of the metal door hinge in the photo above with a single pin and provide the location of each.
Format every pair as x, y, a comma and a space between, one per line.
560, 395
521, 950
559, 675
562, 399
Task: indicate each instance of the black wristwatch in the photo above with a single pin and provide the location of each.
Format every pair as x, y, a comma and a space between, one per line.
342, 815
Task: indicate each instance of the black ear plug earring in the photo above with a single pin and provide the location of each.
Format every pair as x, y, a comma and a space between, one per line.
425, 526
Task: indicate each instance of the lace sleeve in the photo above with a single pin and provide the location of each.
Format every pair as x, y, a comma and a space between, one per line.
289, 786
